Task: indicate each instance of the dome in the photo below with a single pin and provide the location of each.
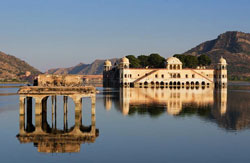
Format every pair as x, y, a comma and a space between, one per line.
173, 60
107, 63
124, 59
223, 61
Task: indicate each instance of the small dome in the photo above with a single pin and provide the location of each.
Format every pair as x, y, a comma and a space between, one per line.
173, 60
223, 61
124, 59
107, 63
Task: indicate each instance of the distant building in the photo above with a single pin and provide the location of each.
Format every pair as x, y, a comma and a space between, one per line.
120, 75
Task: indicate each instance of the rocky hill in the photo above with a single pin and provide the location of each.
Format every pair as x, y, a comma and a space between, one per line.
234, 47
94, 68
14, 69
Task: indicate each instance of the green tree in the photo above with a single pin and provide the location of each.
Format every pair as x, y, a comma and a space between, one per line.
188, 61
156, 61
191, 61
134, 62
182, 58
143, 60
204, 60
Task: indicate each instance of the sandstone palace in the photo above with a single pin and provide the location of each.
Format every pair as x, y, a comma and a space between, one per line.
173, 75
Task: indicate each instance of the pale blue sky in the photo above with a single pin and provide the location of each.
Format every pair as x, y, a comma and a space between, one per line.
62, 33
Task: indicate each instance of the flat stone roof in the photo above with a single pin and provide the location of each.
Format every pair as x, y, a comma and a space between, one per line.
38, 90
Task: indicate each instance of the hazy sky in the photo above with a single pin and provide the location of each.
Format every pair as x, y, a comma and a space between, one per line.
62, 33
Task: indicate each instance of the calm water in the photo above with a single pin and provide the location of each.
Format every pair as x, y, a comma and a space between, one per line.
138, 125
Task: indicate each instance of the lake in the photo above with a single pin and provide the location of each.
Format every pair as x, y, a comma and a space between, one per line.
131, 125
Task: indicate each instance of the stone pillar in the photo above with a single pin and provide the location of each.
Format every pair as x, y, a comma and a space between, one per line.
65, 108
38, 116
22, 105
22, 124
52, 110
78, 112
55, 111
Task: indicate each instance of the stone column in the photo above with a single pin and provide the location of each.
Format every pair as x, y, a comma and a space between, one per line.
78, 112
52, 110
65, 108
22, 124
38, 116
55, 111
22, 105
22, 114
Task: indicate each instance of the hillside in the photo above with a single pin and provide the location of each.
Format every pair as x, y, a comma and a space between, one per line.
94, 68
234, 47
14, 69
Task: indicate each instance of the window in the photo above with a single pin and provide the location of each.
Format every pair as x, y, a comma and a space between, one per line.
186, 75
125, 75
193, 76
162, 76
156, 76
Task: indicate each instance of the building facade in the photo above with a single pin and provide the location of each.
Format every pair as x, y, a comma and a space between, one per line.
173, 75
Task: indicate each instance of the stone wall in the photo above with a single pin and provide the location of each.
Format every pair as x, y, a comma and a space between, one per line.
59, 80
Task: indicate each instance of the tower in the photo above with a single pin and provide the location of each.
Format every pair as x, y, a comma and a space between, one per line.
221, 75
107, 65
124, 63
106, 73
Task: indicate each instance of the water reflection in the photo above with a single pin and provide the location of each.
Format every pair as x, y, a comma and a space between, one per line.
209, 104
48, 138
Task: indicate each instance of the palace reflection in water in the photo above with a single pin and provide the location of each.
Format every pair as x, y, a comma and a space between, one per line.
48, 138
208, 103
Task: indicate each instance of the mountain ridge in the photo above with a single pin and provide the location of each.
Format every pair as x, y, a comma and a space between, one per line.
13, 68
234, 46
95, 68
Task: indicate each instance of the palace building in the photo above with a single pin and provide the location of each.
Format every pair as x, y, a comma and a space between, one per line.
173, 75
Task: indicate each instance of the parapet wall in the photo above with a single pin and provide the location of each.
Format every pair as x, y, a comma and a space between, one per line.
59, 80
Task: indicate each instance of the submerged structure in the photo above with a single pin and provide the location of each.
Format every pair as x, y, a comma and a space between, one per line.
48, 138
121, 75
